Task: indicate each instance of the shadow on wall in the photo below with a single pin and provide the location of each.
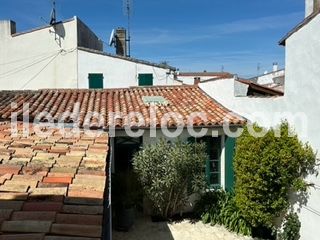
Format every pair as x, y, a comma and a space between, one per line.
59, 33
144, 228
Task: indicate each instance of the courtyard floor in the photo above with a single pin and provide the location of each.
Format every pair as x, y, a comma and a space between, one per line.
144, 229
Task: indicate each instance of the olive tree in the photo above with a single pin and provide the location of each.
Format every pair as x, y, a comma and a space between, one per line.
169, 172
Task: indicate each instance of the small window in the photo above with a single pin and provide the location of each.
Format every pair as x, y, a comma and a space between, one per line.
145, 79
95, 80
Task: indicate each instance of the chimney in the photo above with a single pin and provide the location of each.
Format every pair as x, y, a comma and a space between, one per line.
197, 80
7, 28
275, 67
312, 6
121, 42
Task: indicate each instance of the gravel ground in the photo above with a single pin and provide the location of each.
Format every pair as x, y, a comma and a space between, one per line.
144, 229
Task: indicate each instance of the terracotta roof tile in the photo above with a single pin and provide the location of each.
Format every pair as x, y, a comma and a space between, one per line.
56, 194
183, 100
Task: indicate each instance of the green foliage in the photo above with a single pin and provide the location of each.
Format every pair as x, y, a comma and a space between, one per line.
266, 170
208, 207
219, 207
166, 171
291, 227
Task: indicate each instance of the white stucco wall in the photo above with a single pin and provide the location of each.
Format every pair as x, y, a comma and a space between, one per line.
303, 89
40, 58
300, 100
118, 72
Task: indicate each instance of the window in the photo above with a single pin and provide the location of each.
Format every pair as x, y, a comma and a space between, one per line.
213, 163
145, 79
95, 80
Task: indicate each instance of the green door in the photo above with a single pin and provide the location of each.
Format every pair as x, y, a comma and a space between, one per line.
229, 154
145, 79
95, 80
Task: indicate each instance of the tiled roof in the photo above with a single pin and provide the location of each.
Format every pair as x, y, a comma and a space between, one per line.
183, 100
51, 187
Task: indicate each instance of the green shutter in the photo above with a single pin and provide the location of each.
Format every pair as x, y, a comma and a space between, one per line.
229, 154
208, 174
95, 81
145, 79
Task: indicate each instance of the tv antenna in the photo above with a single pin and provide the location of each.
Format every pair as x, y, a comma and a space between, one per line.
127, 10
258, 68
53, 16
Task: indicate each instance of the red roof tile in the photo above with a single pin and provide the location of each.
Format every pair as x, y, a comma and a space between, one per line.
71, 104
44, 195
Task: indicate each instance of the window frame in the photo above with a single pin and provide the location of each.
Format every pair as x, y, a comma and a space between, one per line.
211, 141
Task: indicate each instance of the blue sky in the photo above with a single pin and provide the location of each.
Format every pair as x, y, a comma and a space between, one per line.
192, 35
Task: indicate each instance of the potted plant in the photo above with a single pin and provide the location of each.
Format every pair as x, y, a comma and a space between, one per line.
126, 194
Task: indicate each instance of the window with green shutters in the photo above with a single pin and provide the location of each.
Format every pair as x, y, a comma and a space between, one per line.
95, 80
213, 163
145, 79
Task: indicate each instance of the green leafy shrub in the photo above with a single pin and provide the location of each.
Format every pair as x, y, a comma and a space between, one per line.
166, 171
208, 207
219, 207
231, 217
266, 170
291, 227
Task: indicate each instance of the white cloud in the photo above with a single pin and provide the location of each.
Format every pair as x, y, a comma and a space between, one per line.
194, 34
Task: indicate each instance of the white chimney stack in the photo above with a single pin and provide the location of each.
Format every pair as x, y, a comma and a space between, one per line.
312, 6
7, 28
275, 67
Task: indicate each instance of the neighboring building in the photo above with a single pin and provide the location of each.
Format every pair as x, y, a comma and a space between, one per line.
275, 77
196, 77
69, 55
244, 88
299, 104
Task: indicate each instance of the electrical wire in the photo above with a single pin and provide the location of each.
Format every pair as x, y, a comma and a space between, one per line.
25, 66
23, 59
37, 74
62, 52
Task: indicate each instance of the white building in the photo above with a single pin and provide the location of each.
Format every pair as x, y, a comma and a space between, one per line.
196, 77
299, 105
69, 55
274, 79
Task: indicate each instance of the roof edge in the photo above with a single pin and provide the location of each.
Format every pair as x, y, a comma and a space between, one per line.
43, 27
127, 58
256, 86
305, 21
